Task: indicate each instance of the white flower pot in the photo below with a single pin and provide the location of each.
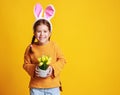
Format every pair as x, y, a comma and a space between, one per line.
43, 73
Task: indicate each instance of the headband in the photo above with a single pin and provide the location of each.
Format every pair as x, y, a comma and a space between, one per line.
48, 13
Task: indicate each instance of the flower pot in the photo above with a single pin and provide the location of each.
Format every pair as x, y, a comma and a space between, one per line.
43, 73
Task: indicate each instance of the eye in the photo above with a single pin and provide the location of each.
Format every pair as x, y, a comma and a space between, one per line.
38, 31
45, 31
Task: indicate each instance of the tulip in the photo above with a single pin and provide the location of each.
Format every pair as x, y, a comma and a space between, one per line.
44, 62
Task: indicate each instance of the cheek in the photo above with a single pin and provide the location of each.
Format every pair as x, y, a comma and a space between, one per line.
37, 34
49, 34
46, 34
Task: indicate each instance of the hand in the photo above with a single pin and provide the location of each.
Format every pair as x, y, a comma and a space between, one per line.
50, 71
37, 71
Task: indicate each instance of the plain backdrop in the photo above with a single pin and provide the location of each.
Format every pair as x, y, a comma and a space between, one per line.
88, 32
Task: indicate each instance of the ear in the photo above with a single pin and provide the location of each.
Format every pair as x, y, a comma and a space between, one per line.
49, 12
38, 11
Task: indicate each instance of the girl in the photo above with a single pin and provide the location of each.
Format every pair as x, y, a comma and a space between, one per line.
50, 84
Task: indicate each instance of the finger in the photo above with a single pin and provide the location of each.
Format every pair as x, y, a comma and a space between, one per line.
49, 73
37, 72
50, 70
37, 75
37, 69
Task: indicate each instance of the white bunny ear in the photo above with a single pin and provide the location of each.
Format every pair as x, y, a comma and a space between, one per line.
49, 12
38, 11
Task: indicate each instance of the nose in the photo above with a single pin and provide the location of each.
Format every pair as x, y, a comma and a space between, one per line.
41, 33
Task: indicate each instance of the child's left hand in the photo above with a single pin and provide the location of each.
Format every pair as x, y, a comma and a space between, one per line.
50, 71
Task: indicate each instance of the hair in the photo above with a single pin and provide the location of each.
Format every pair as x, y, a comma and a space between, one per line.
37, 23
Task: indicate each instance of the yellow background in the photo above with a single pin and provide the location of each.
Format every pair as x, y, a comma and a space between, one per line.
88, 32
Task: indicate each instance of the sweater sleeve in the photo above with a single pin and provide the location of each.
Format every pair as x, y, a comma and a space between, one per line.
60, 61
28, 66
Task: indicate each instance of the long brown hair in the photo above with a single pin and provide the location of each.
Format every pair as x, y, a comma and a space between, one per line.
37, 23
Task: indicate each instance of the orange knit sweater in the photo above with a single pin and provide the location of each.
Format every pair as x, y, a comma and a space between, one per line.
57, 63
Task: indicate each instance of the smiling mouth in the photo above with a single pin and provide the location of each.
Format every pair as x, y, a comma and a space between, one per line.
41, 37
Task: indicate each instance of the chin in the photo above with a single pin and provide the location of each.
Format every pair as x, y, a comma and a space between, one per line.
43, 42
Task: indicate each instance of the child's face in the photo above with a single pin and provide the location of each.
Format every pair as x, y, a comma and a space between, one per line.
42, 34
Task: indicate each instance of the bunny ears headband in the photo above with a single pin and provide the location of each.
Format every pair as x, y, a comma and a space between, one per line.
48, 13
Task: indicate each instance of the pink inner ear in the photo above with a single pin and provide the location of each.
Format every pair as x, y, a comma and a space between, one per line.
38, 10
49, 12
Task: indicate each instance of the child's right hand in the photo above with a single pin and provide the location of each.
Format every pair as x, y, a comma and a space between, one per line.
37, 71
